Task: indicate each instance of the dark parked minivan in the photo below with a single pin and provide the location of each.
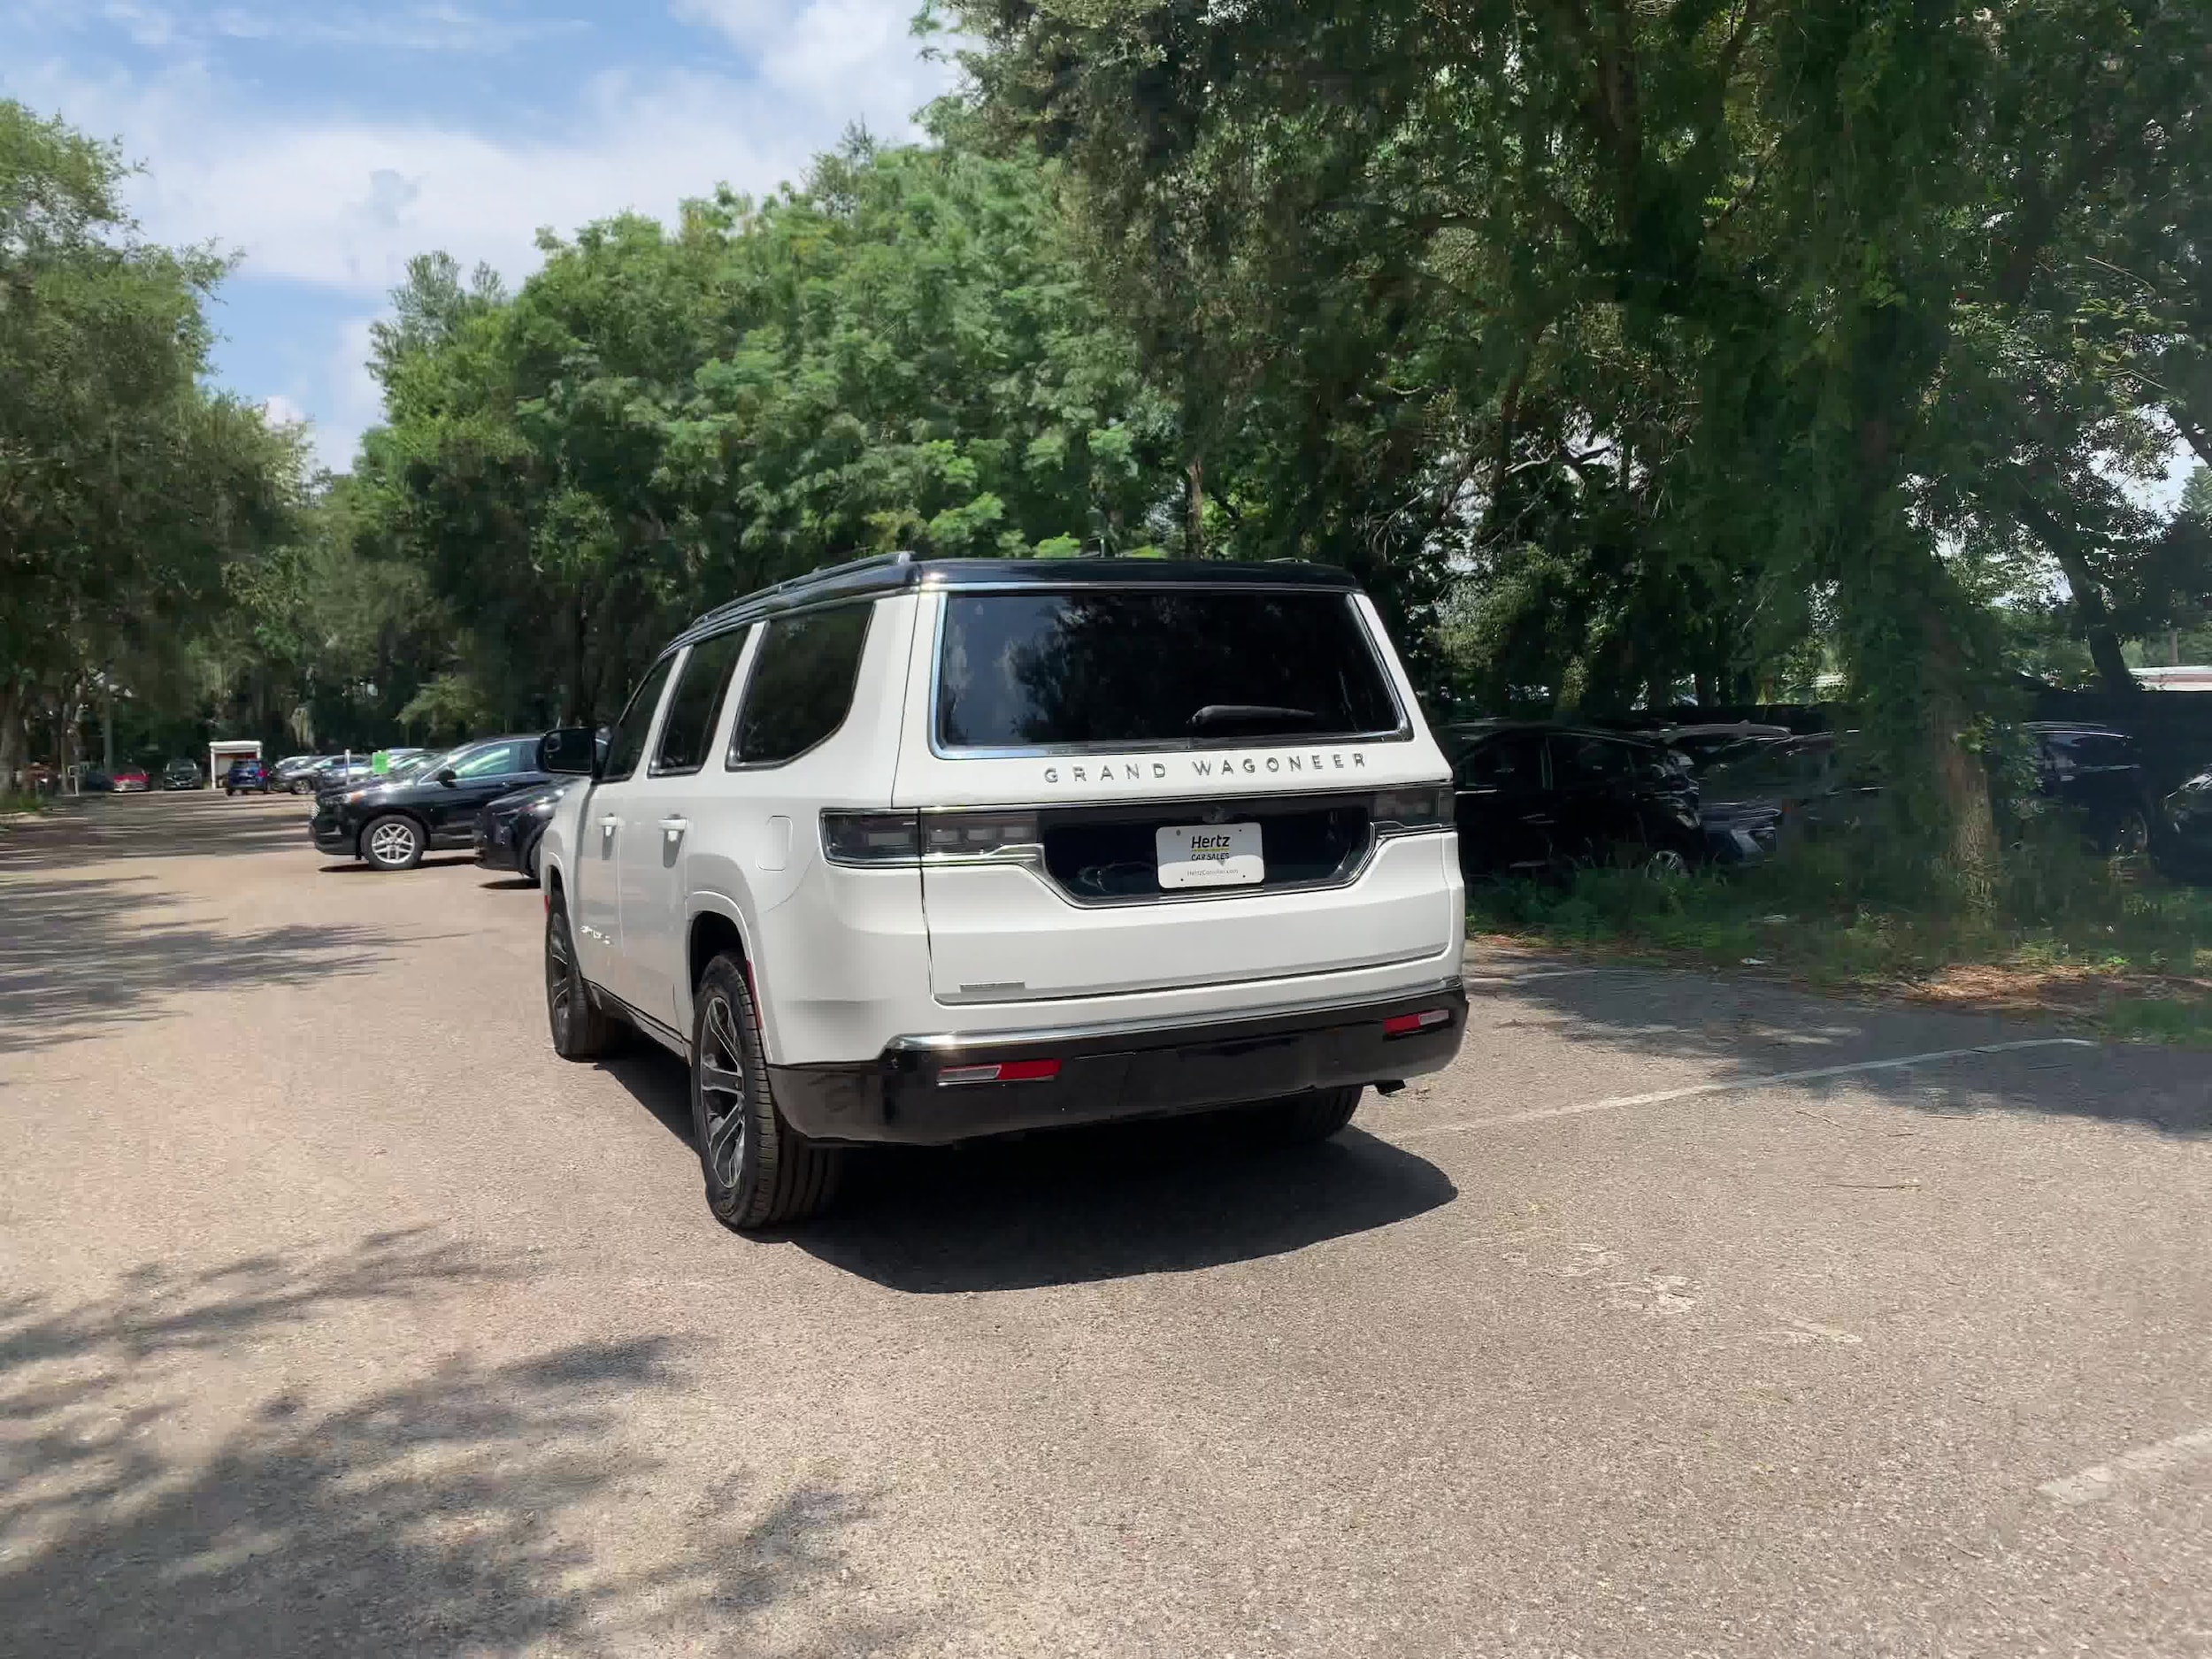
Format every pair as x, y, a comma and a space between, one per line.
1530, 798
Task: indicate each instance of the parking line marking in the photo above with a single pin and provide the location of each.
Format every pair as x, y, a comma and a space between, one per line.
1732, 1086
2098, 1481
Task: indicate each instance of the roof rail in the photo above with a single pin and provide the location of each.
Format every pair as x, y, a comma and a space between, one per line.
874, 561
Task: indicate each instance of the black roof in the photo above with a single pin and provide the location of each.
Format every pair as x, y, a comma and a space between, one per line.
891, 573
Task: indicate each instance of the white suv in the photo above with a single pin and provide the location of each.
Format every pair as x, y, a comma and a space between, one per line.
923, 850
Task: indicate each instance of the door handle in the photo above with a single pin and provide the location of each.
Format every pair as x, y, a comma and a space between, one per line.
675, 826
609, 824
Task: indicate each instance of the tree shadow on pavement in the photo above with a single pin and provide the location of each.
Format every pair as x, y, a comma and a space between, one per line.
1073, 1206
184, 825
1751, 1029
459, 1510
78, 955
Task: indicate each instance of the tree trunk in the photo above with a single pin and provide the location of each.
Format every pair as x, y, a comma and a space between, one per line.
1194, 509
2096, 625
1962, 779
11, 733
579, 697
107, 730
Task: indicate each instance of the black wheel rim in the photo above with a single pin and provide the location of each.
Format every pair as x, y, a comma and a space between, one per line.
720, 1070
560, 977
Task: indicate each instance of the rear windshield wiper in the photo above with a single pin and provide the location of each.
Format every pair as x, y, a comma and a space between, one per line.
1215, 716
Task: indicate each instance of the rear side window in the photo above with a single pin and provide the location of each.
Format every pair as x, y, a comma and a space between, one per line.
1115, 668
801, 688
626, 741
1503, 763
697, 702
1588, 760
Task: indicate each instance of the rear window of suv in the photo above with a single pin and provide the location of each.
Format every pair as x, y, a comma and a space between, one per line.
1155, 668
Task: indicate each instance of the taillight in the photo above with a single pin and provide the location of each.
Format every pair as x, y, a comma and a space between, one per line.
1412, 811
870, 838
1004, 1071
1406, 1025
981, 835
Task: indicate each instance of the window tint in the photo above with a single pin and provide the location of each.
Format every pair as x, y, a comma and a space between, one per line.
1107, 667
1512, 762
1588, 760
697, 702
494, 760
626, 742
801, 685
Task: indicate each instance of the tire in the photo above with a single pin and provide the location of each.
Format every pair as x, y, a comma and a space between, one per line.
2129, 836
581, 1030
760, 1172
1305, 1119
393, 842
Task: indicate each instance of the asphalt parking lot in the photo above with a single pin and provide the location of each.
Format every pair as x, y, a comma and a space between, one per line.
338, 1316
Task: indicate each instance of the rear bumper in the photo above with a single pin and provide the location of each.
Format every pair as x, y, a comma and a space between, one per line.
1110, 1073
495, 850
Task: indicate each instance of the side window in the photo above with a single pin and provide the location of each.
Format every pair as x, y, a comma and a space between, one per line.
1589, 760
495, 760
697, 702
626, 742
1503, 763
801, 687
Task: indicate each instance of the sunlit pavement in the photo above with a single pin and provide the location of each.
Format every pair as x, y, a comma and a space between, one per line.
338, 1316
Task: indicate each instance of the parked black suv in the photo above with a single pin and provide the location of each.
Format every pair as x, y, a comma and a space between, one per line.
2182, 844
1536, 797
508, 829
2098, 774
392, 825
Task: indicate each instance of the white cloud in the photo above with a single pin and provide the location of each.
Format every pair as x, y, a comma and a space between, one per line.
430, 28
281, 410
342, 202
339, 201
827, 50
356, 401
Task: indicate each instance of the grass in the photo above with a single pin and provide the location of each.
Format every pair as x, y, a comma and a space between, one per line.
2104, 945
15, 801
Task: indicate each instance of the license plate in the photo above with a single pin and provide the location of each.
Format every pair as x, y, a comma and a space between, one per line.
1210, 855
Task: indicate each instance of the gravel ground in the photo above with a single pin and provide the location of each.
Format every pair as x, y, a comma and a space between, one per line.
338, 1316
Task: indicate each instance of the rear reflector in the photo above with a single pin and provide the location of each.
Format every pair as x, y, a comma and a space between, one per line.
1406, 1025
1007, 1071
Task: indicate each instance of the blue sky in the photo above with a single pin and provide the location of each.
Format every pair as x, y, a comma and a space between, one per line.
326, 143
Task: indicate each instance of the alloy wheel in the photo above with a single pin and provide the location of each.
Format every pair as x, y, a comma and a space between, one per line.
1667, 862
392, 842
720, 1070
560, 977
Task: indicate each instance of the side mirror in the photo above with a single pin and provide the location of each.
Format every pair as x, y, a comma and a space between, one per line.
447, 775
570, 751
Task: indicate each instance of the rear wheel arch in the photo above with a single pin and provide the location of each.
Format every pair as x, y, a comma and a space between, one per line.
711, 934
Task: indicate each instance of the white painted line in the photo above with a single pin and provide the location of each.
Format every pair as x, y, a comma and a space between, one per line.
1732, 1086
2092, 1483
1559, 973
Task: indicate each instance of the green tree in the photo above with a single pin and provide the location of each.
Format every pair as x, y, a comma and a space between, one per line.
1694, 324
902, 354
125, 487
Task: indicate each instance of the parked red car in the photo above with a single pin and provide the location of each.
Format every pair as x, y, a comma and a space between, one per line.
131, 778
